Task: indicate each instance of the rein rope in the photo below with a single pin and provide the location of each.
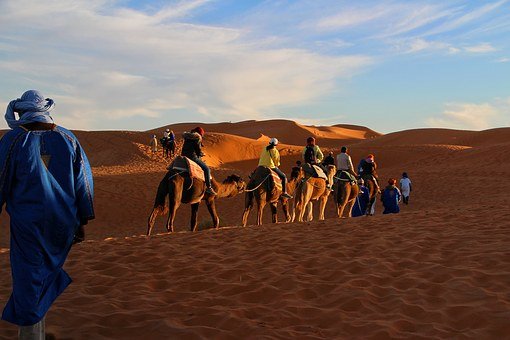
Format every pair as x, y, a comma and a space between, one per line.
258, 186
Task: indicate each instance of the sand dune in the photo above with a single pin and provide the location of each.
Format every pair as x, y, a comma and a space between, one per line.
440, 269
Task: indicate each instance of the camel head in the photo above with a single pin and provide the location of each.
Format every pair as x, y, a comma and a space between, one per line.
238, 181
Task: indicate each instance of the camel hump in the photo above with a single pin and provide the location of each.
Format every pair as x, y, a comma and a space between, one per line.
184, 164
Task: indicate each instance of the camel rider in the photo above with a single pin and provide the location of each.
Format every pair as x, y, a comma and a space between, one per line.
192, 148
166, 134
367, 169
344, 161
270, 158
329, 159
313, 155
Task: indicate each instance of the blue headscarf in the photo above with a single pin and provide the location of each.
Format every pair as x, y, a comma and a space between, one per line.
32, 107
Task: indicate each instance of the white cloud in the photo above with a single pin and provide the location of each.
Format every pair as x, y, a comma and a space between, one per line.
503, 60
465, 19
352, 17
104, 64
471, 115
480, 48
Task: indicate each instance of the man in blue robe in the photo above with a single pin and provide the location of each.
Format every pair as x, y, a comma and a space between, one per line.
360, 206
390, 198
46, 185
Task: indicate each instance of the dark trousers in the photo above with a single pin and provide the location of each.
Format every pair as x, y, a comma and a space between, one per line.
282, 177
207, 171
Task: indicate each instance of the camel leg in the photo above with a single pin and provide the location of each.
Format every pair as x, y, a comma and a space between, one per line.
261, 202
173, 204
211, 206
309, 211
299, 211
322, 206
248, 205
152, 219
274, 212
194, 216
285, 206
348, 208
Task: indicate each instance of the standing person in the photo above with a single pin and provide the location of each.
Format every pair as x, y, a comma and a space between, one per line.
270, 158
405, 188
46, 184
171, 143
154, 145
390, 198
164, 143
192, 148
361, 204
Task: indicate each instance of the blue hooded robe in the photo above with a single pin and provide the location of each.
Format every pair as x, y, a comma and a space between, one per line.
360, 206
390, 198
46, 184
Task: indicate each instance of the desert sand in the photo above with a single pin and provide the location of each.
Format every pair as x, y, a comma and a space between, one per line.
439, 269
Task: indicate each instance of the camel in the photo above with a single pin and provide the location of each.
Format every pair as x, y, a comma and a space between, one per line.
288, 204
261, 190
181, 189
346, 193
312, 189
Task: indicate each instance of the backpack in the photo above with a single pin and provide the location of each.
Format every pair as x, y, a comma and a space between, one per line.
310, 155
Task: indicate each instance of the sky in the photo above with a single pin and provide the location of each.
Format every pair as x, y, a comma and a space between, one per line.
138, 65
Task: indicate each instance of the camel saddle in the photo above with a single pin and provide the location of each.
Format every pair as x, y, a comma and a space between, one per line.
273, 180
184, 164
314, 171
345, 176
276, 180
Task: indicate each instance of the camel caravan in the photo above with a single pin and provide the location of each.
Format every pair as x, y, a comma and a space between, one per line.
189, 181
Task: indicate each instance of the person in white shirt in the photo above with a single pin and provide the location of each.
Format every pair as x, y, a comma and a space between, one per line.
344, 161
405, 187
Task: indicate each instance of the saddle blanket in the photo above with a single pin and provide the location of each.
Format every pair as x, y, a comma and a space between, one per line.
185, 164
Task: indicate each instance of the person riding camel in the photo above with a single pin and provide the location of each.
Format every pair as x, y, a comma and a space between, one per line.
270, 158
313, 155
192, 148
329, 159
367, 169
344, 161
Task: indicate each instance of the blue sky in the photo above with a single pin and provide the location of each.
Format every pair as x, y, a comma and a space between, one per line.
389, 65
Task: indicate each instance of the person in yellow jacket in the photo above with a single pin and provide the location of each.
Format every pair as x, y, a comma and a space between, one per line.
270, 158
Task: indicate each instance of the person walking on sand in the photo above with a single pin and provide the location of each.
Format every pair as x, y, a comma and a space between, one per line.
360, 206
154, 145
192, 148
46, 184
270, 158
390, 198
405, 188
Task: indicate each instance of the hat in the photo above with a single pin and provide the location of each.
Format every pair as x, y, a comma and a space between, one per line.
199, 130
273, 141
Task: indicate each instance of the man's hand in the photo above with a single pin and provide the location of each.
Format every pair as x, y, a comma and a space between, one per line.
79, 236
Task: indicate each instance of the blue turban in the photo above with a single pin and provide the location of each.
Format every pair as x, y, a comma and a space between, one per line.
31, 107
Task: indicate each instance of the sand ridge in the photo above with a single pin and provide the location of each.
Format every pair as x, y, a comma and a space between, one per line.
440, 269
